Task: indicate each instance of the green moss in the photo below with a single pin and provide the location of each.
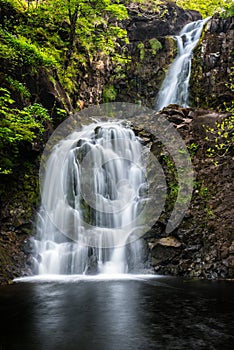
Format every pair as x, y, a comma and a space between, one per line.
20, 51
109, 93
17, 86
155, 46
141, 48
171, 178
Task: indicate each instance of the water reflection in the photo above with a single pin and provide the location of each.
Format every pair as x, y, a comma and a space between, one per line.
117, 314
89, 316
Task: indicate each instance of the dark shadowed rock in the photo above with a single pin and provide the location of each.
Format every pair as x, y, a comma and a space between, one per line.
168, 20
212, 64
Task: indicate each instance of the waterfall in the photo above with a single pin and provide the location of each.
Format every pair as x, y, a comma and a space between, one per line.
175, 86
92, 194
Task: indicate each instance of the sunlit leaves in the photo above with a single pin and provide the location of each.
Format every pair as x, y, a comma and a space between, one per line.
21, 50
206, 7
221, 136
17, 126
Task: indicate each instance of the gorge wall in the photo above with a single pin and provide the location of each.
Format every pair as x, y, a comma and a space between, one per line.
212, 65
202, 245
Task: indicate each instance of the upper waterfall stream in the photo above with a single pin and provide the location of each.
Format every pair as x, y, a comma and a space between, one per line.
175, 87
92, 194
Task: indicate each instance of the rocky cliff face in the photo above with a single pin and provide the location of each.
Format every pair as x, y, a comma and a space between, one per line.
168, 19
19, 200
202, 246
212, 64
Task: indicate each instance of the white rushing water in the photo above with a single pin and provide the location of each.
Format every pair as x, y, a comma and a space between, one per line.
175, 87
92, 194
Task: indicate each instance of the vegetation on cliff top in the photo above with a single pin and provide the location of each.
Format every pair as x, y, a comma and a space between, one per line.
207, 7
53, 36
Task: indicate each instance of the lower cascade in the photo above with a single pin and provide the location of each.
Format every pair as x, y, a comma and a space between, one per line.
93, 191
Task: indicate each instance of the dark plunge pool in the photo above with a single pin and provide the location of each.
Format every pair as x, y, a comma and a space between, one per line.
78, 313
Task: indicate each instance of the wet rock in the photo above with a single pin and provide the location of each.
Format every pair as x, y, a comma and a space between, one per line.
166, 241
168, 20
203, 243
212, 64
229, 262
92, 267
162, 255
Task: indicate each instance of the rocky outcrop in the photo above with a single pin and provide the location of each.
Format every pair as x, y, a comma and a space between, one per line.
212, 64
202, 245
151, 49
18, 202
91, 79
141, 79
44, 87
166, 19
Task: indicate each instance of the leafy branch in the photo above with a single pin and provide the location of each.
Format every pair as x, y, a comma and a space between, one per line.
18, 127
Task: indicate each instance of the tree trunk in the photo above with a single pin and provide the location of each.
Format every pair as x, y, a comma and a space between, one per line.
73, 20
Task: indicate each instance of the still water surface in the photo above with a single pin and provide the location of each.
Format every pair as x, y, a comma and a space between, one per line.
135, 313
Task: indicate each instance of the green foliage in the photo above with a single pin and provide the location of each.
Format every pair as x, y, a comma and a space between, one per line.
141, 48
172, 178
202, 190
17, 86
221, 138
20, 51
206, 7
164, 12
66, 35
61, 115
222, 135
17, 127
155, 45
109, 93
83, 23
192, 148
228, 9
